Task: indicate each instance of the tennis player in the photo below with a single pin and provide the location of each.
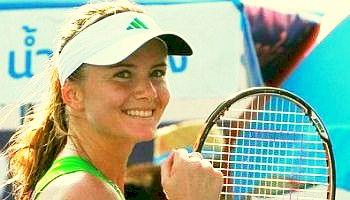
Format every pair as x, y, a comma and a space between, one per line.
108, 91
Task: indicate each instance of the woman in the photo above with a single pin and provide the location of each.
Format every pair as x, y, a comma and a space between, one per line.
108, 92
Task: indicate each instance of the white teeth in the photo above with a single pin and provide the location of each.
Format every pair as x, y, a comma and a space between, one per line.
139, 113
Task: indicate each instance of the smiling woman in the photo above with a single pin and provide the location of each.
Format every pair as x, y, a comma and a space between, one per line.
108, 92
124, 101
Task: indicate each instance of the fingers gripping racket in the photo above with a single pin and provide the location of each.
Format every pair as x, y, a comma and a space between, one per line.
269, 144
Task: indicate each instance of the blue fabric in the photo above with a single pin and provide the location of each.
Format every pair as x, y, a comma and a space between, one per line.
322, 79
253, 67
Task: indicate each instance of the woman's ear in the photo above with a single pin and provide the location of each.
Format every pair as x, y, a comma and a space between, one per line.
72, 96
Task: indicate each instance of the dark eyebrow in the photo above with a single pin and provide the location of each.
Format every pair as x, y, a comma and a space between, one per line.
162, 64
122, 65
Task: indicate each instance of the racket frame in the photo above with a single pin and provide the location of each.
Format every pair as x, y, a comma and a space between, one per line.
321, 129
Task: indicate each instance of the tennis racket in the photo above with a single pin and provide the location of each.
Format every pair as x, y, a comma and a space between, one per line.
269, 144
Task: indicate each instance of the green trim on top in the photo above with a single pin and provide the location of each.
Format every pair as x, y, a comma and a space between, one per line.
71, 164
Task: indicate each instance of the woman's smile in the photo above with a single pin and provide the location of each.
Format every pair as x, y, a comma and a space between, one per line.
139, 113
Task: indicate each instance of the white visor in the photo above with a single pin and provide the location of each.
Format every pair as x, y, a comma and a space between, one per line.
113, 39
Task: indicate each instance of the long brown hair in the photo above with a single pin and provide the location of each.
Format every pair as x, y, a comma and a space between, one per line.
35, 145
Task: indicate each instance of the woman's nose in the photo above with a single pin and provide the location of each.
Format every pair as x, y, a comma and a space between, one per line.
145, 89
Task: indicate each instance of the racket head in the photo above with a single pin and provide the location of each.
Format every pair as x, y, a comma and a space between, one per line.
269, 143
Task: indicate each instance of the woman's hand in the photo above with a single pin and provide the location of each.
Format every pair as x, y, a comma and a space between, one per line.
186, 176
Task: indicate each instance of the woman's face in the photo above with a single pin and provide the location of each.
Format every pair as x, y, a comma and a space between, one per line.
127, 99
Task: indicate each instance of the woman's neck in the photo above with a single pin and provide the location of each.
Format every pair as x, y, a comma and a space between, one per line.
108, 155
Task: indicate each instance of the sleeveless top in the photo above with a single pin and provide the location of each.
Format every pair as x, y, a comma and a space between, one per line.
71, 164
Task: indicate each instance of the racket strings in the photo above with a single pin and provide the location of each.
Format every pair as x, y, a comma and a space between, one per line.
268, 149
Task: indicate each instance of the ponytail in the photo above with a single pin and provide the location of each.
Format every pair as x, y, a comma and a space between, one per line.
33, 148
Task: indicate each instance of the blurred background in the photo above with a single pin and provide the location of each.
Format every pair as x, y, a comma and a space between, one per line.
301, 46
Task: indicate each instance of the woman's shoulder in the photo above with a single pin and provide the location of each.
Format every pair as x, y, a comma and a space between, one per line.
78, 185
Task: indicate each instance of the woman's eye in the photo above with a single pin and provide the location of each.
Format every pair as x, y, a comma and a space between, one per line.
158, 73
123, 74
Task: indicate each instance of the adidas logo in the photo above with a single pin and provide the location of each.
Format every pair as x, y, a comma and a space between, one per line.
136, 24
